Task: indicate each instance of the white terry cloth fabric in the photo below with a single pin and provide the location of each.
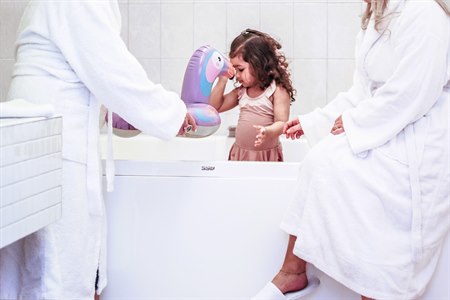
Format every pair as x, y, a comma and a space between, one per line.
70, 54
372, 204
20, 108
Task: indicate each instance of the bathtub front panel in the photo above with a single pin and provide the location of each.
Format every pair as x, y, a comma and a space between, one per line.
194, 237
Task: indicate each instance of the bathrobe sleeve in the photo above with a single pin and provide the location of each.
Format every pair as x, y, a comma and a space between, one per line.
88, 35
420, 44
317, 124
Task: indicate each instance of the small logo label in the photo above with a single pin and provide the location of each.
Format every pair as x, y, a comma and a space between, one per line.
208, 168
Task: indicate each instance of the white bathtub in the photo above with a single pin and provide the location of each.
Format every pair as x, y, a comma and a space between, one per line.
184, 223
212, 148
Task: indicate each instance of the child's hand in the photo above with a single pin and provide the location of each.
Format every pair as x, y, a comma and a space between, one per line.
260, 135
293, 129
230, 71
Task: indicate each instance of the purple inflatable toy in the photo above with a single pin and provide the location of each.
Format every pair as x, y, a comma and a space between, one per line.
121, 127
202, 70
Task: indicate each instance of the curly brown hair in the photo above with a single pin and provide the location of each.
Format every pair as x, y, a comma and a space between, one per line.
261, 52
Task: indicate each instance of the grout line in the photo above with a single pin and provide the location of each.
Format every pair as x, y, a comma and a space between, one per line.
193, 28
260, 11
226, 27
128, 24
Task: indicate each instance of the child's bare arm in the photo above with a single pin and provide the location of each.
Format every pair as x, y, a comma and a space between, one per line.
281, 107
220, 101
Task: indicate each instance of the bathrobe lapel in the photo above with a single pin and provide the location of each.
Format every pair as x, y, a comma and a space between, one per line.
370, 37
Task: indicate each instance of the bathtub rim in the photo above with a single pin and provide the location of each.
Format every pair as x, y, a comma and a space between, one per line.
212, 148
216, 169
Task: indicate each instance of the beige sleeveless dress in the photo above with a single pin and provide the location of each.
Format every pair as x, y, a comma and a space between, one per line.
255, 111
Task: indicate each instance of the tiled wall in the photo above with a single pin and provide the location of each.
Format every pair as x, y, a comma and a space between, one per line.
317, 37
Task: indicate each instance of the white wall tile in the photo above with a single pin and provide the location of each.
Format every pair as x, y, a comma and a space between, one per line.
153, 69
177, 1
210, 25
144, 1
177, 27
278, 21
145, 30
6, 66
123, 5
343, 25
340, 76
172, 73
10, 14
276, 2
310, 81
345, 1
310, 1
241, 16
232, 2
211, 1
310, 30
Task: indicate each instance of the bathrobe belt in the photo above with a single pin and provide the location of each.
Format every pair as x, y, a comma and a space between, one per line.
416, 197
93, 176
110, 170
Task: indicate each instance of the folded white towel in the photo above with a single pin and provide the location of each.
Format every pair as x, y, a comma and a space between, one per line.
20, 108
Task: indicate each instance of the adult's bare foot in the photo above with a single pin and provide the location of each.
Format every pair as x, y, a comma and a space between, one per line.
290, 282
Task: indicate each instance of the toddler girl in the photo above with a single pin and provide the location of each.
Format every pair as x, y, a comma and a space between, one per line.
264, 94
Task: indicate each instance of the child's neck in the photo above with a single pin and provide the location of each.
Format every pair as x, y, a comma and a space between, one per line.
254, 91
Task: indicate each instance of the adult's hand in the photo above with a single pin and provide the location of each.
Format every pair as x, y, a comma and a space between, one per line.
338, 126
293, 129
188, 125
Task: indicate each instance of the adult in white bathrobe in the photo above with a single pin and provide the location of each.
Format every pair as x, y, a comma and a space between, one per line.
372, 203
70, 54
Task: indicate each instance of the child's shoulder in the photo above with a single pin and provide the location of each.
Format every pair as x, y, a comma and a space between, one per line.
280, 89
277, 90
280, 92
271, 89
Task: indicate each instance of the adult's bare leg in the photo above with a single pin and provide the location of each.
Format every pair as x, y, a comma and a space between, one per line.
292, 276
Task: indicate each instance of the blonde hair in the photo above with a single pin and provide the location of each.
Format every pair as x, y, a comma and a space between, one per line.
377, 8
444, 6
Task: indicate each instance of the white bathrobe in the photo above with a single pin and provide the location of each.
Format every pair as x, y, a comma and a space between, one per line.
372, 204
70, 54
